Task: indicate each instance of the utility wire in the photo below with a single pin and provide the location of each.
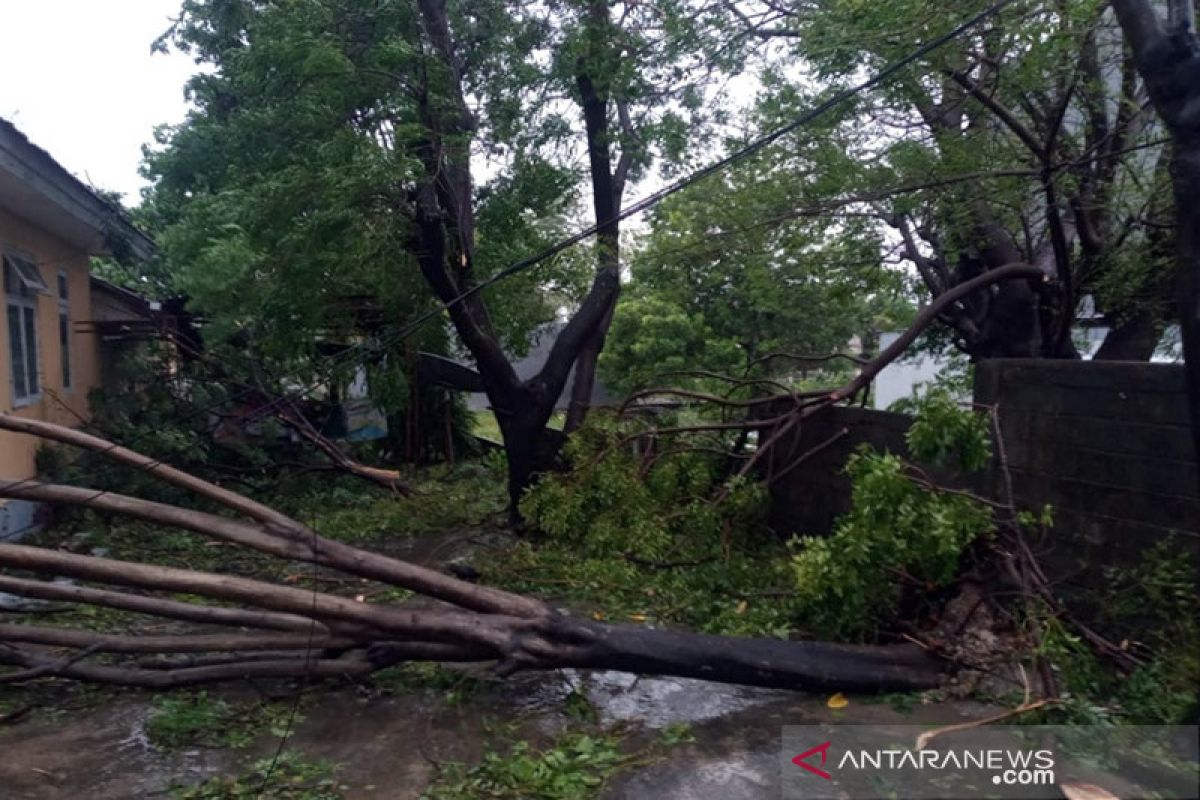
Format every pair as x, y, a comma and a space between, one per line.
750, 149
638, 207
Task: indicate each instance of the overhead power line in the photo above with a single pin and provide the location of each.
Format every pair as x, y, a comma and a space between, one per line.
641, 205
744, 152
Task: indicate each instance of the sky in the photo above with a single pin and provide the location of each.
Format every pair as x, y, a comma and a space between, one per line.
81, 83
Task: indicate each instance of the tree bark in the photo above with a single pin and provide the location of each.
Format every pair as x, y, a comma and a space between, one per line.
357, 637
443, 241
1169, 62
279, 535
1133, 339
328, 635
607, 189
160, 607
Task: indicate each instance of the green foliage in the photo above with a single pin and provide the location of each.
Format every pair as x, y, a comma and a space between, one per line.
449, 685
162, 415
1161, 587
943, 434
677, 734
283, 204
1152, 607
574, 767
196, 719
291, 778
744, 594
956, 166
616, 502
639, 537
714, 287
848, 583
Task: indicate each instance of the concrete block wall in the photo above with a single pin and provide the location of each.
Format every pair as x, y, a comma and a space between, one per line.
1106, 444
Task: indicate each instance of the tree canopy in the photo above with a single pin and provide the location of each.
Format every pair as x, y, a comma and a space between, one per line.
350, 165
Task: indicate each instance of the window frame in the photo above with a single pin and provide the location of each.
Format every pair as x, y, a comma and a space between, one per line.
20, 298
26, 270
64, 331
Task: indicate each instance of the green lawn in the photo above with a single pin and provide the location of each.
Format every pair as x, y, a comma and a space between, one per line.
488, 427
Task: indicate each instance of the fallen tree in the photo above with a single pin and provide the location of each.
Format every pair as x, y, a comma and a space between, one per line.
314, 633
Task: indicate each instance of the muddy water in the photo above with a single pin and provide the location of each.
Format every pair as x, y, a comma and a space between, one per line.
390, 747
101, 754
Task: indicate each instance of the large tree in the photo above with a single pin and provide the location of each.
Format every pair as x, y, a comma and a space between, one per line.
1168, 57
285, 202
643, 77
721, 283
332, 158
1026, 140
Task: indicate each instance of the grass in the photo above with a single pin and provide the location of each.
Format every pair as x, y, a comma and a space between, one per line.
743, 594
487, 426
575, 765
451, 686
292, 777
196, 719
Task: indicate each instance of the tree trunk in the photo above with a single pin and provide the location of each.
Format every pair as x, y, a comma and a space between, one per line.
1169, 62
1133, 339
584, 385
444, 242
776, 663
1185, 170
607, 189
349, 638
474, 622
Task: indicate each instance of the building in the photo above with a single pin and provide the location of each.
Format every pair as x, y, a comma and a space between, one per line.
51, 224
540, 343
912, 374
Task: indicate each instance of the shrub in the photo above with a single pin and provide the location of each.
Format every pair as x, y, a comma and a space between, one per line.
896, 528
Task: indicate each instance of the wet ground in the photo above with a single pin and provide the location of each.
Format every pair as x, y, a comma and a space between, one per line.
390, 747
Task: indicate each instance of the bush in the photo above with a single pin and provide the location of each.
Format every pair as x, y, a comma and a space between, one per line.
896, 529
617, 501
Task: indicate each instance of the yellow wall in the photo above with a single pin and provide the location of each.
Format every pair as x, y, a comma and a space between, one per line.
64, 406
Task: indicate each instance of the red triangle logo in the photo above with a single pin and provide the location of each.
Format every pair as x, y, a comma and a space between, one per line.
800, 760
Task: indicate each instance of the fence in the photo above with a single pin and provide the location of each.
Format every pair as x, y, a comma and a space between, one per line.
1106, 444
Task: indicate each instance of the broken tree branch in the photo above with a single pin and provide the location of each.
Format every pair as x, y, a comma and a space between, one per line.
514, 631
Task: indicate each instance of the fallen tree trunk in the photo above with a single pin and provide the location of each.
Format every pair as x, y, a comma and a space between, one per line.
157, 606
345, 637
328, 635
198, 643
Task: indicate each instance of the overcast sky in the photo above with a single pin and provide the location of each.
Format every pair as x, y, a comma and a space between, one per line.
80, 81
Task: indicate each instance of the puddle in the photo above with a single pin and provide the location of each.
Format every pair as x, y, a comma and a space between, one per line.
99, 755
389, 748
652, 702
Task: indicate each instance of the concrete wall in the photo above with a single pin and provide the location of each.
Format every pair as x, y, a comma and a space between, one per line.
810, 498
52, 256
1106, 444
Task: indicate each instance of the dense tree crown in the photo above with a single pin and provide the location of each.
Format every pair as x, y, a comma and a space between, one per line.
350, 164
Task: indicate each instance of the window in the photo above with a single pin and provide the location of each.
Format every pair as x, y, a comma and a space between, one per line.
22, 284
64, 328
